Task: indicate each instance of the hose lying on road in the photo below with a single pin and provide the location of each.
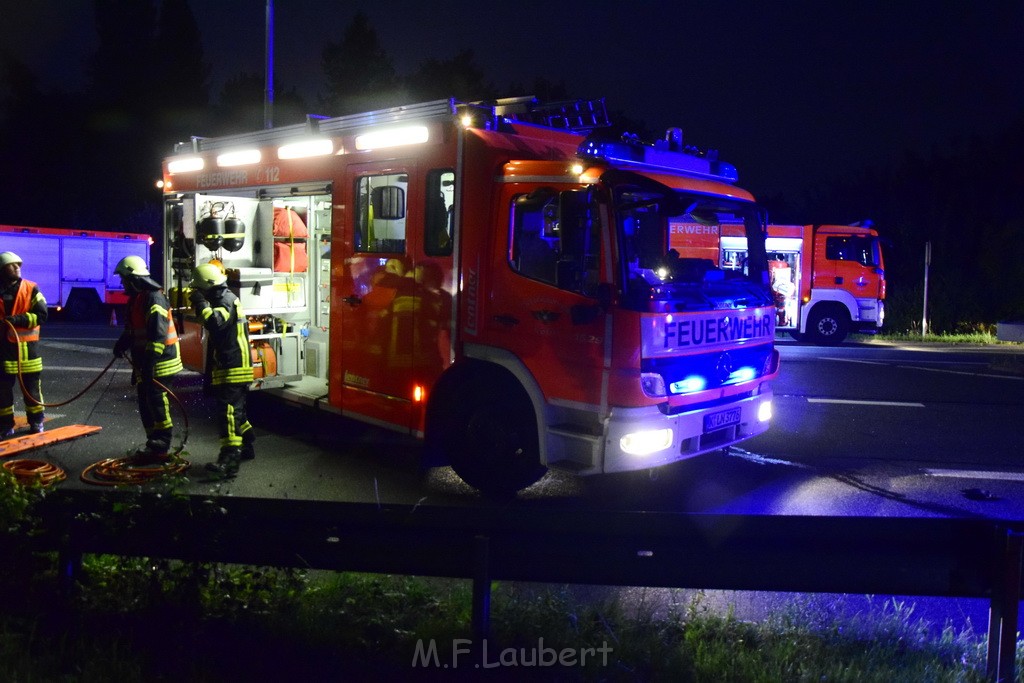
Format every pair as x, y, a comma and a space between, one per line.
35, 472
111, 471
116, 471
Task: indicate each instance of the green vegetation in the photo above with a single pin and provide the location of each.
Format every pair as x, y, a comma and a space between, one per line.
980, 336
139, 619
135, 619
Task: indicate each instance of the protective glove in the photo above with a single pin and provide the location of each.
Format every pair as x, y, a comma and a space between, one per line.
121, 346
199, 301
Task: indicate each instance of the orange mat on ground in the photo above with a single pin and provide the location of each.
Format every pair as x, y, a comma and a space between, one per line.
28, 442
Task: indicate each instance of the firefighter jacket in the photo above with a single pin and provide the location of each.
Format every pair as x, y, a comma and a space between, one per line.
228, 357
23, 305
149, 333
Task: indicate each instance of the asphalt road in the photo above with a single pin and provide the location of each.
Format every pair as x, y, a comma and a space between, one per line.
867, 429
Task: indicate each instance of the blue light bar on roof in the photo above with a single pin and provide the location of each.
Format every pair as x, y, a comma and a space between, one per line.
655, 159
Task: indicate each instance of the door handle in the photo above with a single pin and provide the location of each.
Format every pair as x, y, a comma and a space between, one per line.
506, 320
352, 300
546, 316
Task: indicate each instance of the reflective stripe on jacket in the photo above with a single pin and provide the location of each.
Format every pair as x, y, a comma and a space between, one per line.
154, 337
230, 361
29, 311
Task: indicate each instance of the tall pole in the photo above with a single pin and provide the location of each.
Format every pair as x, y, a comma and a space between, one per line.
268, 93
927, 263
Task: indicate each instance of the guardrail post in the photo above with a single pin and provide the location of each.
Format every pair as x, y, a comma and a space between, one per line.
69, 566
481, 588
1004, 608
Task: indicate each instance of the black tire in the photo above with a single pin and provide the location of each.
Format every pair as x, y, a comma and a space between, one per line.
83, 305
492, 441
828, 325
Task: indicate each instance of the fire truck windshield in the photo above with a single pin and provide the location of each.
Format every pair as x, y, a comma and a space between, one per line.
669, 242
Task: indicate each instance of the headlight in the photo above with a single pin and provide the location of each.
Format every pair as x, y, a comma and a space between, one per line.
646, 442
764, 411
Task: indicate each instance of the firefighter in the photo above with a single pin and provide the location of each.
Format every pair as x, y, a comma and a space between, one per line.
152, 342
228, 364
21, 305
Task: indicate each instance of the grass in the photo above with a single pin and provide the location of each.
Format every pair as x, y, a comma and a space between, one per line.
975, 337
135, 619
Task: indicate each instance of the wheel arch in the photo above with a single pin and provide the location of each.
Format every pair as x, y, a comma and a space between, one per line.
479, 364
829, 297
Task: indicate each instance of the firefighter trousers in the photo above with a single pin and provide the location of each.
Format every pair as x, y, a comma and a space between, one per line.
33, 397
155, 412
235, 431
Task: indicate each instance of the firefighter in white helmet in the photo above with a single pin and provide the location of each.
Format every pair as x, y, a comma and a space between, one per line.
152, 342
228, 364
21, 305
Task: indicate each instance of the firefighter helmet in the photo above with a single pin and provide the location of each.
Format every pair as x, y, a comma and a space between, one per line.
9, 257
131, 265
208, 275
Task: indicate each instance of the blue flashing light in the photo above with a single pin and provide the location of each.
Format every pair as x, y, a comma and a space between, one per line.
690, 385
743, 374
656, 158
725, 171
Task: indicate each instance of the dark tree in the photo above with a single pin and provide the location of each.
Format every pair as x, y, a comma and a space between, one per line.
240, 107
181, 71
458, 77
360, 75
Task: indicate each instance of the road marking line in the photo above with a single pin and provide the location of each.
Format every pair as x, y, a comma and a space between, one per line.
918, 367
976, 474
905, 404
76, 368
961, 372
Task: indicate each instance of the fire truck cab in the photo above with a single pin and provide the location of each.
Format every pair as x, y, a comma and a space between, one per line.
493, 278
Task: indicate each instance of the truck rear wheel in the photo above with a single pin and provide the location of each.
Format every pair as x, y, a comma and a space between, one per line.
828, 325
493, 444
83, 305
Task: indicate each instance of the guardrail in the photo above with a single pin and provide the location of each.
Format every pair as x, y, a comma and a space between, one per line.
939, 557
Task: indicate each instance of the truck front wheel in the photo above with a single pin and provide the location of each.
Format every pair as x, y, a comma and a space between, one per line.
828, 325
493, 443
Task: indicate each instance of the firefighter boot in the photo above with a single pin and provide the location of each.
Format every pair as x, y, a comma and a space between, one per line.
149, 455
36, 426
227, 463
248, 446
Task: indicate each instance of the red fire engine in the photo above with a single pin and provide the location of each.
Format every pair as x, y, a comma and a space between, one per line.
827, 280
75, 268
490, 278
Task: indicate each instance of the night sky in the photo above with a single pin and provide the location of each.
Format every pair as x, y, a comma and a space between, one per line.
789, 92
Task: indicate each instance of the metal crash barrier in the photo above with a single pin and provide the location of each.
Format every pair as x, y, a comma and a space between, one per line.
939, 557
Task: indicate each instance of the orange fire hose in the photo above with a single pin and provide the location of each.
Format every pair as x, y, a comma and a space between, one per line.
109, 472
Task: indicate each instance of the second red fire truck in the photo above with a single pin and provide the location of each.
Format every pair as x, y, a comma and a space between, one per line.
827, 280
493, 278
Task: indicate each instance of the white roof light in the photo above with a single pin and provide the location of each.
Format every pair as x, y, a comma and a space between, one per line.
313, 147
239, 157
185, 164
392, 137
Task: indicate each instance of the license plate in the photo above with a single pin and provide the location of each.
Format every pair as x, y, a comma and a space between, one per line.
721, 419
